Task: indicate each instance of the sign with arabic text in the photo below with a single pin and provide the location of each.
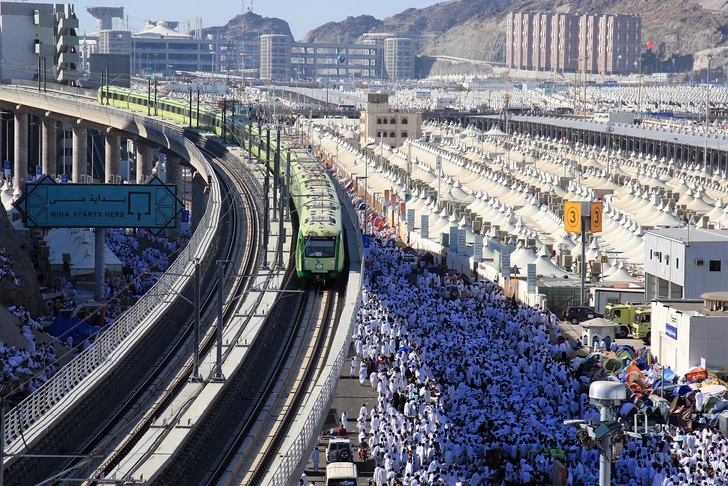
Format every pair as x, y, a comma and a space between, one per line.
46, 204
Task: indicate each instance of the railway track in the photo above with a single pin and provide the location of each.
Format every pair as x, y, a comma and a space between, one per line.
139, 379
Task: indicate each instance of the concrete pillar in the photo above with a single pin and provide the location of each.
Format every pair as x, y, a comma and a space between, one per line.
174, 176
20, 155
80, 153
50, 161
113, 157
145, 159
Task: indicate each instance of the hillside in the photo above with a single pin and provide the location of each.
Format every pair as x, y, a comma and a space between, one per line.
348, 30
28, 294
475, 29
250, 22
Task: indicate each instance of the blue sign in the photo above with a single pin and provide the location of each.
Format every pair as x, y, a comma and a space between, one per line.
64, 178
39, 170
366, 241
185, 216
49, 205
7, 165
671, 331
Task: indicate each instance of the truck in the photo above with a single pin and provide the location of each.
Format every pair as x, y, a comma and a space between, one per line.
641, 325
600, 297
623, 314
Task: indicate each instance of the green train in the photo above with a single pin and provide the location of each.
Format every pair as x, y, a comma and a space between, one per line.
320, 249
168, 108
320, 243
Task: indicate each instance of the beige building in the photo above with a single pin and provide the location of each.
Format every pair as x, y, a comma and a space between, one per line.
385, 126
565, 42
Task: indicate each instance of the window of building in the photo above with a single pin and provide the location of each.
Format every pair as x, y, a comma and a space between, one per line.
393, 135
714, 265
393, 121
384, 121
379, 121
404, 134
677, 263
379, 134
384, 134
404, 121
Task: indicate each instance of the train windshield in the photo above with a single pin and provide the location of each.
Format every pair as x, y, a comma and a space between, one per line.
320, 247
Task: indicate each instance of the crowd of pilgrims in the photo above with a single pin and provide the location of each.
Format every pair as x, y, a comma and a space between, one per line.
462, 381
6, 268
30, 366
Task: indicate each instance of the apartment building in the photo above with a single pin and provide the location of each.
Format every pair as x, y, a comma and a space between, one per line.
567, 42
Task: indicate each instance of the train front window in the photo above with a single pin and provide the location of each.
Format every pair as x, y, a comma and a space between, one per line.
320, 247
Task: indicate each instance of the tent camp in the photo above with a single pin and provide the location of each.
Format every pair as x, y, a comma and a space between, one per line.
77, 245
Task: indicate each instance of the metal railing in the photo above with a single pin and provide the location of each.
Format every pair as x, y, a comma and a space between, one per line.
109, 347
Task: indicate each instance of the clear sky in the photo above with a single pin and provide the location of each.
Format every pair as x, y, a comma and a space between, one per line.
301, 15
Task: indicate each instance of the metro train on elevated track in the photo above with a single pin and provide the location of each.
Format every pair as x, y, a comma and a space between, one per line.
320, 250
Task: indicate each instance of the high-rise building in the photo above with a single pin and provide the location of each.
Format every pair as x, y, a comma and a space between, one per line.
275, 57
39, 41
399, 58
567, 42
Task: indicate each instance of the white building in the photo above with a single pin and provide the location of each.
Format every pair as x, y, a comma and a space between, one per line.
38, 40
678, 256
691, 333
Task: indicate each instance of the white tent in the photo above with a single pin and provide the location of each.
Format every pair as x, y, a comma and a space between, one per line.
80, 245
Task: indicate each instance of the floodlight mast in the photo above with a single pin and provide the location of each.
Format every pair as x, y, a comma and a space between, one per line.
606, 395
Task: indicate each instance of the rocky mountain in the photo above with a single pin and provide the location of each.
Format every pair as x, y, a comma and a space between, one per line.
348, 30
475, 29
251, 22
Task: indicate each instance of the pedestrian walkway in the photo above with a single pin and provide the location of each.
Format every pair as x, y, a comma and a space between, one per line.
350, 396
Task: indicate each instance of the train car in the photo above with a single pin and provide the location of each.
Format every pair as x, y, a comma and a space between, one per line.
167, 108
320, 249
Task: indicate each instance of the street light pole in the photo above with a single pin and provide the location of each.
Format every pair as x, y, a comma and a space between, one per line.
610, 130
707, 113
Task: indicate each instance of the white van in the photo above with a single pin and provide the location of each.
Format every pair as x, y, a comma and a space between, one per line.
341, 474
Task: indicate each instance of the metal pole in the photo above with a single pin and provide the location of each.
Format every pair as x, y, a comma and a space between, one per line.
266, 203
438, 167
155, 96
276, 170
220, 291
287, 186
583, 257
407, 195
196, 365
190, 107
605, 463
224, 112
198, 107
108, 82
149, 96
281, 230
707, 114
